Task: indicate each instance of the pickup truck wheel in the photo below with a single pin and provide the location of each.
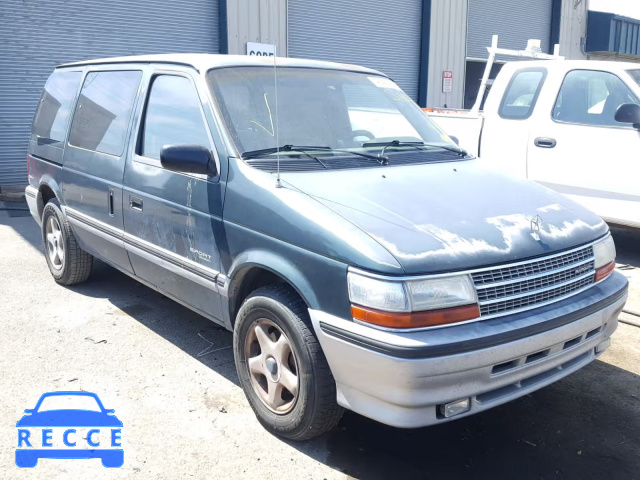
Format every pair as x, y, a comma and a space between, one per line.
281, 367
68, 263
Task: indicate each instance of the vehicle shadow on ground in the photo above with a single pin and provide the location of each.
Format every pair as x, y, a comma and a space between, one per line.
585, 426
627, 242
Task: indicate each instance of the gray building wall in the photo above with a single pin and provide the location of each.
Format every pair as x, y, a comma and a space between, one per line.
261, 21
447, 51
573, 29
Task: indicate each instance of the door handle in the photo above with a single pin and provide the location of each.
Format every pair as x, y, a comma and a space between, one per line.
135, 203
545, 142
110, 202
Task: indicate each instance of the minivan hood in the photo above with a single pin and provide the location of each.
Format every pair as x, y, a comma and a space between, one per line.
452, 216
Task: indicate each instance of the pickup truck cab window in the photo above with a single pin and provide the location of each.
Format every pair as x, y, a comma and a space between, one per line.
173, 116
101, 120
522, 93
52, 117
591, 97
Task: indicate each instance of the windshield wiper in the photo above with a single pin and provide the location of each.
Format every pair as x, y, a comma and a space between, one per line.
417, 145
305, 149
285, 148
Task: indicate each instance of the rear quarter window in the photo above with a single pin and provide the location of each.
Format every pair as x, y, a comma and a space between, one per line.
522, 93
52, 115
102, 115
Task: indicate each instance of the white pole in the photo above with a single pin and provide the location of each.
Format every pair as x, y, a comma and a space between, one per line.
485, 77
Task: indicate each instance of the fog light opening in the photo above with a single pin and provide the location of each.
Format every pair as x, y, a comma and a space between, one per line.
457, 407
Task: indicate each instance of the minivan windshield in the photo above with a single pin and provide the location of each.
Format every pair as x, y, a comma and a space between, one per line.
339, 111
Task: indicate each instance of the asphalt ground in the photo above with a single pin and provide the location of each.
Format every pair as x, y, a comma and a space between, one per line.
170, 377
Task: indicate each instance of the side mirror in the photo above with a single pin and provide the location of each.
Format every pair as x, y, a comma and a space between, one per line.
28, 410
455, 139
629, 113
109, 411
188, 159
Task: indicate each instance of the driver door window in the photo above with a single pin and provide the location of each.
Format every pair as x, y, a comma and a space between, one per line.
173, 116
591, 97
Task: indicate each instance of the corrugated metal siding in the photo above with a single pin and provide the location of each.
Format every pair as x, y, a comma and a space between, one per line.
607, 32
380, 35
263, 22
447, 49
38, 35
514, 22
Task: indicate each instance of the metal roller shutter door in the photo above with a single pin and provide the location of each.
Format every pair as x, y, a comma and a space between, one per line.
514, 22
38, 35
372, 34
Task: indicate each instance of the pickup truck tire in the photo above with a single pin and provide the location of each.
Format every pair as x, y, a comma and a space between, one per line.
312, 410
67, 262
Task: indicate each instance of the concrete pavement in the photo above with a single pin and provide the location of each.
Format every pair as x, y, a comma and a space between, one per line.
185, 416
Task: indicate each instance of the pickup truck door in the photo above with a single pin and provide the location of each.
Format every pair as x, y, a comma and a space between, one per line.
578, 149
506, 128
172, 220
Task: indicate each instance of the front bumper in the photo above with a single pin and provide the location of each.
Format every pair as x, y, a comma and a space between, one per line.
400, 379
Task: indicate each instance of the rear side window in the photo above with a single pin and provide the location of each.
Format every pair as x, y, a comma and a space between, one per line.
521, 94
102, 115
173, 116
52, 116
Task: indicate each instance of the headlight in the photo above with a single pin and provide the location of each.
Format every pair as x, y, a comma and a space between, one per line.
605, 257
412, 303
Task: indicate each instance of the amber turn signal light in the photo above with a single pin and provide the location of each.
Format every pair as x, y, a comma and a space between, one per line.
604, 271
431, 318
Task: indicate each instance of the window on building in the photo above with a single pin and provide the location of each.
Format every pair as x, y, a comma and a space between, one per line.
591, 97
521, 94
173, 116
52, 116
101, 120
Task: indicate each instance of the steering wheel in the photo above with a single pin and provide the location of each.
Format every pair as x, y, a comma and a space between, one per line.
362, 133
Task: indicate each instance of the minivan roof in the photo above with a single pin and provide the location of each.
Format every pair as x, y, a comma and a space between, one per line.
205, 61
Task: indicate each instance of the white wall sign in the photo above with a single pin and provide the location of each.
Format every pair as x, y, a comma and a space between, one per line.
447, 81
261, 49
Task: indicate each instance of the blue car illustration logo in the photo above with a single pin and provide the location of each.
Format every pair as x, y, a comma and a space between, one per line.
66, 425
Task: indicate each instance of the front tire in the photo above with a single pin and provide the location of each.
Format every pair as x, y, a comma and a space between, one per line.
67, 262
281, 367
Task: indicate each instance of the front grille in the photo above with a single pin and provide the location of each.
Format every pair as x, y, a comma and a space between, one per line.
526, 285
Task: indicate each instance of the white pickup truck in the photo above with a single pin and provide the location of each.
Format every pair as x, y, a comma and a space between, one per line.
571, 125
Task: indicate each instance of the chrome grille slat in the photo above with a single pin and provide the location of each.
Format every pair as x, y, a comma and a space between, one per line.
552, 286
526, 285
531, 268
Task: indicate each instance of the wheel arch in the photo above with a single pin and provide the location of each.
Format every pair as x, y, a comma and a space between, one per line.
258, 268
47, 190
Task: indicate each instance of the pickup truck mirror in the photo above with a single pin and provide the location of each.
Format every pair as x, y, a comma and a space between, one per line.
629, 113
188, 159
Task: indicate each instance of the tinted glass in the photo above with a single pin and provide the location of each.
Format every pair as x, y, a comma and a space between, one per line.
173, 116
635, 74
591, 97
521, 95
316, 107
52, 116
101, 119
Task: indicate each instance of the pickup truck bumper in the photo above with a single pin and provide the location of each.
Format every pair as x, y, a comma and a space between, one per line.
403, 379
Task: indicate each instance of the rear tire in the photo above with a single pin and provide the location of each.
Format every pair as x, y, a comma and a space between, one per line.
67, 262
312, 409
